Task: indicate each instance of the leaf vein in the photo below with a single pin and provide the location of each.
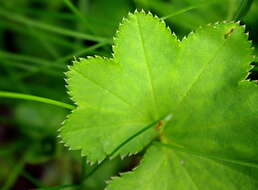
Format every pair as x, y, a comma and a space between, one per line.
109, 91
205, 66
148, 68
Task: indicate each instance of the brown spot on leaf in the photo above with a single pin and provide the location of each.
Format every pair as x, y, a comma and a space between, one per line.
228, 34
159, 124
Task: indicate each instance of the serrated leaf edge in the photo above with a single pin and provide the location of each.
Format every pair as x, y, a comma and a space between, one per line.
113, 58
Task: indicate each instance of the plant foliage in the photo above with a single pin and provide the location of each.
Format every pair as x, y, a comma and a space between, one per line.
190, 95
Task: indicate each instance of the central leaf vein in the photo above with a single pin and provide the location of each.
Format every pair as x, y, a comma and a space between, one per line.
148, 68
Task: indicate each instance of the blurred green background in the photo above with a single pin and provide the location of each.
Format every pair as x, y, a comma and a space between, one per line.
38, 40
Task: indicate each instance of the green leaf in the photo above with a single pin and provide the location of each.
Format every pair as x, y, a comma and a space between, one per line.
166, 169
225, 120
119, 97
126, 101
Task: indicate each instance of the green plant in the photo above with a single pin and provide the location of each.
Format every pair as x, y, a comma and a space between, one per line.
38, 39
187, 101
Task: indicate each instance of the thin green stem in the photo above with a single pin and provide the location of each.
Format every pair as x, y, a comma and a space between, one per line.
46, 13
13, 56
78, 14
15, 173
45, 43
56, 69
57, 15
243, 9
80, 52
50, 37
32, 179
44, 63
35, 98
113, 153
116, 149
62, 31
184, 10
32, 68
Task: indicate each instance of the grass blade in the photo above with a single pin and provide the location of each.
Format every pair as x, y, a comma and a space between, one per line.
35, 98
50, 28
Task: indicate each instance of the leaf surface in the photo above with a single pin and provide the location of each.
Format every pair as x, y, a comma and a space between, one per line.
119, 97
166, 169
192, 94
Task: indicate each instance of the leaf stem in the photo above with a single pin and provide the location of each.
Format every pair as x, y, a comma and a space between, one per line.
113, 153
15, 95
